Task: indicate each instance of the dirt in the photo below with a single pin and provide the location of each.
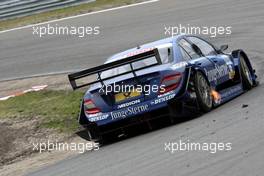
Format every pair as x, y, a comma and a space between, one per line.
17, 136
17, 154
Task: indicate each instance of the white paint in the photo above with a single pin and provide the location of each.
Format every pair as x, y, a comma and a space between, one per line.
33, 89
81, 15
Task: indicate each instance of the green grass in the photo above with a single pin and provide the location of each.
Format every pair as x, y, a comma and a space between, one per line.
56, 109
60, 13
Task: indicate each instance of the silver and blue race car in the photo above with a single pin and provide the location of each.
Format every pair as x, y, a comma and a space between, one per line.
159, 80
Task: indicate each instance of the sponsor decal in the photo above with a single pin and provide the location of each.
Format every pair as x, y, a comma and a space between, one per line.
138, 52
217, 73
96, 117
163, 99
128, 104
129, 111
165, 94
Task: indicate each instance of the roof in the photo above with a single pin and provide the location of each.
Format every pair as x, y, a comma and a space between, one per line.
143, 48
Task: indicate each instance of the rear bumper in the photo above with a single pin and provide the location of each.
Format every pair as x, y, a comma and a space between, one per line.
132, 111
168, 110
162, 106
163, 112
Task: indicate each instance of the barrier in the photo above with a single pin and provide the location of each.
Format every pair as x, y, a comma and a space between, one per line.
18, 8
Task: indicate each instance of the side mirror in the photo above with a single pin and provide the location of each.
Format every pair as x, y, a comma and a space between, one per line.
197, 50
223, 48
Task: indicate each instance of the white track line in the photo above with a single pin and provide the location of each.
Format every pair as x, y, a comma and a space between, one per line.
81, 15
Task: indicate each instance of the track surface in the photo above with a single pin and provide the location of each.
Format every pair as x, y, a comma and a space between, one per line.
24, 55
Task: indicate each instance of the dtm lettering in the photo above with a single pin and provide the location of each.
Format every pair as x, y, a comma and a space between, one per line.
129, 111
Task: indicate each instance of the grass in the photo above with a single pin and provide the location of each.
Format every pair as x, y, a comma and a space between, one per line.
56, 109
60, 13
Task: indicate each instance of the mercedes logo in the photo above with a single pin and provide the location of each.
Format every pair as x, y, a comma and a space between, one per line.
127, 94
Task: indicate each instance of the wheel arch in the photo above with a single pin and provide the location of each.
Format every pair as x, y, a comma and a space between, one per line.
236, 55
82, 118
196, 69
189, 73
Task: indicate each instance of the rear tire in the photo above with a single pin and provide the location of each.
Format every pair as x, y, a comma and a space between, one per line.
245, 74
203, 92
94, 134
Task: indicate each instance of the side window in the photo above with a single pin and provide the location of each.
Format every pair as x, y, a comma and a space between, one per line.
205, 47
166, 54
185, 55
186, 46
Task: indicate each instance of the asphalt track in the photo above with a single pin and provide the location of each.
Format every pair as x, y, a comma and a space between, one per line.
23, 55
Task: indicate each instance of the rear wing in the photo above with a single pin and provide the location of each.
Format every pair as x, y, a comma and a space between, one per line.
99, 69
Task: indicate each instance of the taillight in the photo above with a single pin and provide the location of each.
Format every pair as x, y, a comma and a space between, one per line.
170, 82
90, 108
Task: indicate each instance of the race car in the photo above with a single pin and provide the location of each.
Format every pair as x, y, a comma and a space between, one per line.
158, 80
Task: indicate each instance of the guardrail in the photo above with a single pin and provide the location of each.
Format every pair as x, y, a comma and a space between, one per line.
18, 8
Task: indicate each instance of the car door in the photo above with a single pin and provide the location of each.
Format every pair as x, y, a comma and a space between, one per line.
222, 64
188, 54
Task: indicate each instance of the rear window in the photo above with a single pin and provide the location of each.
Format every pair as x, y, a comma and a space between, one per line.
165, 56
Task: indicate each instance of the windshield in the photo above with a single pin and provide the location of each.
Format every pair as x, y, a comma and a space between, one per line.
165, 56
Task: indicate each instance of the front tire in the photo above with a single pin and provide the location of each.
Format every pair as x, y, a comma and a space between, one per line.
203, 92
245, 74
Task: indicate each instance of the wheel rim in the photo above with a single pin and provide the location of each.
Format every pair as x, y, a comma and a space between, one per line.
246, 71
204, 91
